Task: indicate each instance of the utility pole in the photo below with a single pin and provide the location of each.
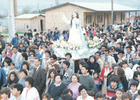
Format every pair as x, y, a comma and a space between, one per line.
37, 8
11, 19
112, 12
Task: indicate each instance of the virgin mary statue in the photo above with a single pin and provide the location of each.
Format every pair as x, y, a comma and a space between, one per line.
75, 33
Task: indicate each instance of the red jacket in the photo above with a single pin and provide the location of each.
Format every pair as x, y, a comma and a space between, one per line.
102, 73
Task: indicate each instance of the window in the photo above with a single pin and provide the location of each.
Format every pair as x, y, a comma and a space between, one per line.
99, 18
114, 17
88, 18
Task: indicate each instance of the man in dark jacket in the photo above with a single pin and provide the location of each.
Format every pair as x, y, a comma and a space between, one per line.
39, 76
49, 34
30, 33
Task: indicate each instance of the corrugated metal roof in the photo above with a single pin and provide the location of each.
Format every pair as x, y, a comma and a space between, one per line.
28, 16
98, 7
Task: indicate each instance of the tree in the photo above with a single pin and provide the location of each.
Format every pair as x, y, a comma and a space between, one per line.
26, 10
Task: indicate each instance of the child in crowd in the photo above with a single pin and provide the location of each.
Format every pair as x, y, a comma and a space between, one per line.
118, 95
97, 80
45, 96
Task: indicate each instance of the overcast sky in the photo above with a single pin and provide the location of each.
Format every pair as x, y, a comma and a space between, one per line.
47, 3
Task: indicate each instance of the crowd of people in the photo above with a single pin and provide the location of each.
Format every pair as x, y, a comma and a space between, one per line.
30, 70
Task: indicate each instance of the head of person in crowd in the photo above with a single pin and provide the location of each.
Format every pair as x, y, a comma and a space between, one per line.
133, 86
5, 93
81, 62
103, 48
138, 98
128, 49
36, 50
68, 56
124, 64
106, 53
58, 78
29, 31
16, 35
17, 90
106, 65
84, 69
29, 81
92, 59
131, 64
91, 93
106, 40
119, 93
74, 78
12, 66
56, 67
15, 49
119, 45
120, 72
113, 40
25, 65
97, 55
45, 96
99, 96
24, 56
32, 56
114, 68
114, 81
67, 91
66, 64
6, 62
4, 53
27, 49
136, 75
37, 62
83, 91
52, 73
23, 74
66, 97
138, 68
47, 53
53, 58
126, 96
12, 78
21, 45
11, 89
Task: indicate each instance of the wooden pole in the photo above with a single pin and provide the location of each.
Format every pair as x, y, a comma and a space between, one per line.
112, 12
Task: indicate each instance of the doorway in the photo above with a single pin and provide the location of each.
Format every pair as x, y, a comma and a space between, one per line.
41, 24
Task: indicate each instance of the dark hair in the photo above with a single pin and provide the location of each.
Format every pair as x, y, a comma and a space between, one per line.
131, 61
26, 63
107, 51
85, 66
48, 51
52, 70
138, 92
119, 89
98, 53
32, 54
114, 79
93, 57
16, 34
91, 93
19, 87
66, 97
15, 80
46, 95
67, 63
53, 56
114, 65
121, 51
136, 73
15, 47
75, 75
134, 83
104, 46
61, 76
38, 59
30, 80
66, 91
7, 61
68, 54
81, 87
129, 47
5, 90
114, 39
25, 72
25, 56
35, 30
99, 95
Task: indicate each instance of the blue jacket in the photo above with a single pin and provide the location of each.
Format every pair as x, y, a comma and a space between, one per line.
57, 37
2, 77
38, 55
15, 41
